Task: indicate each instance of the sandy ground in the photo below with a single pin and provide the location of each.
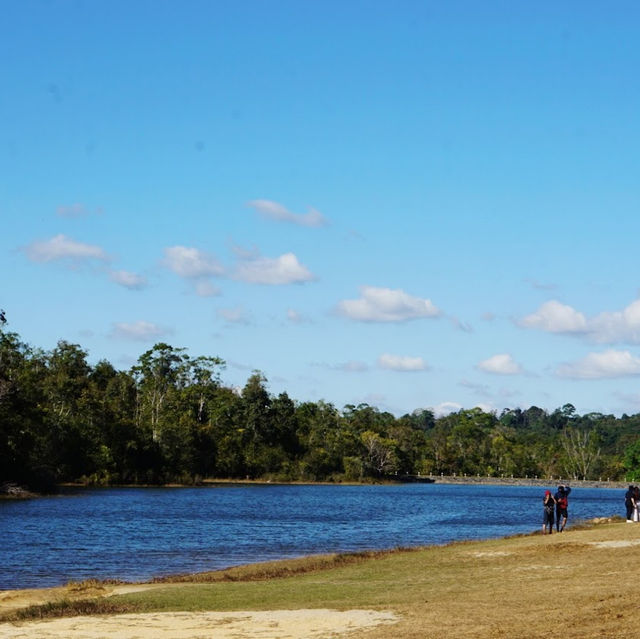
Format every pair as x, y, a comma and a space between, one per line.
272, 624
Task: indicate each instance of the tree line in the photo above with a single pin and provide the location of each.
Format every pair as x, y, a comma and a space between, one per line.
170, 418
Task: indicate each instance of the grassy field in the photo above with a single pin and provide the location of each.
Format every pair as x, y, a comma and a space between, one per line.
581, 583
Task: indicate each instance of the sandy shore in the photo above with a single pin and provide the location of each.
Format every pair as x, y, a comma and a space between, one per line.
272, 624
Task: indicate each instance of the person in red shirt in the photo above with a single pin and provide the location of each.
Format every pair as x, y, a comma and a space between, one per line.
562, 505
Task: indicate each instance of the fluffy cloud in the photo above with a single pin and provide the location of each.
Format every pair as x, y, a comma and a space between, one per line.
617, 326
555, 317
502, 364
285, 269
61, 247
274, 211
386, 305
401, 363
608, 327
128, 279
609, 363
139, 331
191, 263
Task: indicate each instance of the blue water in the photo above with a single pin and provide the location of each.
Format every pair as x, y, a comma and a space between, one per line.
138, 533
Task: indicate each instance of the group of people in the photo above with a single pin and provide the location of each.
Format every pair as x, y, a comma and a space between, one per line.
555, 510
631, 502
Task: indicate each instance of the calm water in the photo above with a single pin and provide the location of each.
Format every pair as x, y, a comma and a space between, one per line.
138, 533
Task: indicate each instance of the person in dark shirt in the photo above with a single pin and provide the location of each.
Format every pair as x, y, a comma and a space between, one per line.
629, 503
562, 505
549, 504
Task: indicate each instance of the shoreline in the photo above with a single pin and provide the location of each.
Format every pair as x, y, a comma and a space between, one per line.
20, 493
528, 481
436, 479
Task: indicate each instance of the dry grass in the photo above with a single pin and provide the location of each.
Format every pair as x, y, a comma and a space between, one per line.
280, 569
70, 608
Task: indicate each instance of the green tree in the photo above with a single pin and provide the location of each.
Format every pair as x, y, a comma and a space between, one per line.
74, 438
631, 461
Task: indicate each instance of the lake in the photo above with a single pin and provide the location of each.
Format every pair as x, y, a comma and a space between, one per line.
138, 533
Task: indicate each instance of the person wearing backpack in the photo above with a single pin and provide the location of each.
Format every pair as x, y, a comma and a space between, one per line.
562, 505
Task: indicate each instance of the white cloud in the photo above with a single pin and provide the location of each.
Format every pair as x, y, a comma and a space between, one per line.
191, 263
386, 305
610, 363
617, 326
608, 327
274, 211
129, 280
501, 364
555, 317
61, 247
285, 269
445, 408
139, 331
401, 363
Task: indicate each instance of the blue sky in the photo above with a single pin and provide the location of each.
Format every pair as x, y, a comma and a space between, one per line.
414, 204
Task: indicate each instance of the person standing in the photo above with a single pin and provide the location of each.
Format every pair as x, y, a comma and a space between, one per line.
549, 505
628, 503
562, 505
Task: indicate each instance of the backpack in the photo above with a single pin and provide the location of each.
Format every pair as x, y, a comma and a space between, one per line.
562, 503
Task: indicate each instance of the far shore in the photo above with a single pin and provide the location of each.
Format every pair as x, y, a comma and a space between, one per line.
528, 481
18, 492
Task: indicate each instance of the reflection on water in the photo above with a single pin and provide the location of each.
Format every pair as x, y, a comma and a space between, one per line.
138, 533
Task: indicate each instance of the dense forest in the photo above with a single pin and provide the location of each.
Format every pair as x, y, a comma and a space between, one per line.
170, 418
